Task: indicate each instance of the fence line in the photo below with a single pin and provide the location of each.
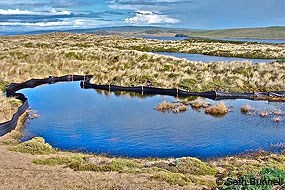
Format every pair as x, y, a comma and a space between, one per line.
12, 89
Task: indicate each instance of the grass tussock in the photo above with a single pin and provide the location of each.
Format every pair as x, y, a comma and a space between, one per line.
198, 104
217, 110
34, 146
171, 107
277, 119
264, 114
246, 109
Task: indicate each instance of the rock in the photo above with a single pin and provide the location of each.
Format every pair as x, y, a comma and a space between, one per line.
181, 36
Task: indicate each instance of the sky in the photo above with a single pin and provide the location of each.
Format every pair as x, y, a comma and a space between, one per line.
29, 15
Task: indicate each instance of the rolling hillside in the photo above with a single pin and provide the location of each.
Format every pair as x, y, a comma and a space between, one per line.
277, 32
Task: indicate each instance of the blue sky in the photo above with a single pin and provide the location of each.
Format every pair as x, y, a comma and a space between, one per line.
29, 15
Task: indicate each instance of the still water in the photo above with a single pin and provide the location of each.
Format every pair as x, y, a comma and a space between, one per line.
272, 41
72, 118
164, 38
208, 58
267, 41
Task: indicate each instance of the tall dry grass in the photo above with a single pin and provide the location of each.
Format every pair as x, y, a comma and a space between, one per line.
8, 106
23, 57
110, 60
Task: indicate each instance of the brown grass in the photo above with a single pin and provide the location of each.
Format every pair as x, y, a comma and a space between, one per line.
169, 106
264, 114
216, 110
277, 119
245, 108
112, 60
197, 104
8, 106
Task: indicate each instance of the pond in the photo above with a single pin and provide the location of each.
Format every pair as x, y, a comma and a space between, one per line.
164, 38
119, 124
272, 41
208, 58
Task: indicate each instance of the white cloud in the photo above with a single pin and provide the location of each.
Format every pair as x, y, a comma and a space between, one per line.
39, 24
65, 23
26, 12
151, 5
148, 17
15, 12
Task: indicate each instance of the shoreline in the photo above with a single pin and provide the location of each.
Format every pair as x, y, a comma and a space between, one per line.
12, 89
158, 170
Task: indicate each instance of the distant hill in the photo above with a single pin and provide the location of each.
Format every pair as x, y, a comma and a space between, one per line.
276, 32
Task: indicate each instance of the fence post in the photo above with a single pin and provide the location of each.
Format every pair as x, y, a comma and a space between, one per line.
177, 92
10, 112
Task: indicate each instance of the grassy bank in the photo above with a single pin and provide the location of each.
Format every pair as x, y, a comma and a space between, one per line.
8, 106
172, 173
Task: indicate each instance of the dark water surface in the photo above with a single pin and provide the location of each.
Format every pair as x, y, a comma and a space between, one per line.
208, 58
72, 118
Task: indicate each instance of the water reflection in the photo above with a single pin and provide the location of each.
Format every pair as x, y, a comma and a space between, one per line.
126, 124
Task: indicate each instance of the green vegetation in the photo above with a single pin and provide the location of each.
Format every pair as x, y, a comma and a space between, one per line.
117, 165
34, 146
266, 179
60, 160
180, 171
3, 85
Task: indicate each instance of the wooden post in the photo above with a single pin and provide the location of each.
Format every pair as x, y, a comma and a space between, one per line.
109, 87
142, 89
10, 112
177, 92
